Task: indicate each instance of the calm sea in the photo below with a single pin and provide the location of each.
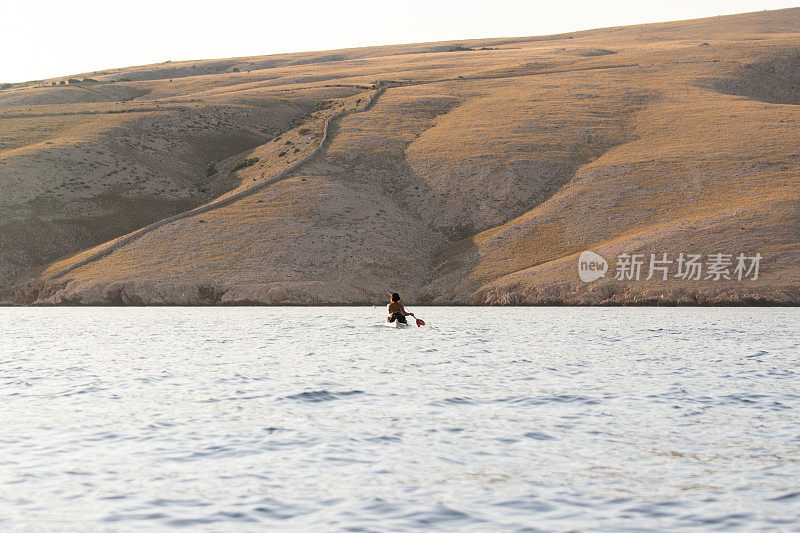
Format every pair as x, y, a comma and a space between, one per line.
511, 419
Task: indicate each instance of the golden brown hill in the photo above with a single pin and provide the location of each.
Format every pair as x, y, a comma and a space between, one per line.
471, 172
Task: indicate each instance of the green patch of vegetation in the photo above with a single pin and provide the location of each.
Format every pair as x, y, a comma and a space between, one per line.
211, 170
249, 162
281, 154
303, 131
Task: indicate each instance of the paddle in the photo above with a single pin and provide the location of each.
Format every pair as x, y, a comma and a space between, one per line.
420, 322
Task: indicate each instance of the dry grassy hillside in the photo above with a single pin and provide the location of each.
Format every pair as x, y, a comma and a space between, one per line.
464, 172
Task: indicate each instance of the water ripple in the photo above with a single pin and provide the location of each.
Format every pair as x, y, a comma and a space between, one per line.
321, 395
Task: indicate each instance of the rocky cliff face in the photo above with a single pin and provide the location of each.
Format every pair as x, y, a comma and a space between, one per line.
473, 172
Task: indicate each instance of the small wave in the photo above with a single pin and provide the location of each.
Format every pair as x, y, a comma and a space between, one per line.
439, 514
538, 435
280, 510
166, 502
187, 522
528, 505
114, 497
119, 517
546, 399
457, 401
236, 398
383, 438
727, 520
743, 398
381, 506
650, 510
321, 395
788, 496
82, 390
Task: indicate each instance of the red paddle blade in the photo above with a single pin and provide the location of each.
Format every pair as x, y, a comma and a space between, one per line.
420, 322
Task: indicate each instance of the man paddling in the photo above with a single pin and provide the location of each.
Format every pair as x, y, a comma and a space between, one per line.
397, 311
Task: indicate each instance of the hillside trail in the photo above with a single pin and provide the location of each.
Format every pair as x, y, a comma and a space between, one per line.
227, 198
235, 195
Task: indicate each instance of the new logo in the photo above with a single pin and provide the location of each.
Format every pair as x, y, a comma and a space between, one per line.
591, 266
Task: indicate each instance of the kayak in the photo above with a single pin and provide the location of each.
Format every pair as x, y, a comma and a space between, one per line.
396, 324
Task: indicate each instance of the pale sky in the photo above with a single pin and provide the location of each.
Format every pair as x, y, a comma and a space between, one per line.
48, 38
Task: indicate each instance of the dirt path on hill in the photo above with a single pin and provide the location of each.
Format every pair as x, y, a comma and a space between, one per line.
226, 200
287, 173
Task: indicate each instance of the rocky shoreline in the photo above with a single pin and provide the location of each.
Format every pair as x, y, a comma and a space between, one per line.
38, 293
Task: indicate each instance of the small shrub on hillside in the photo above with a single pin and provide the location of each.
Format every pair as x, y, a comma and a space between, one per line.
249, 162
460, 48
211, 170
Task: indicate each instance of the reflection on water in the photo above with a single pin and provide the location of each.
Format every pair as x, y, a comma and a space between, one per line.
551, 419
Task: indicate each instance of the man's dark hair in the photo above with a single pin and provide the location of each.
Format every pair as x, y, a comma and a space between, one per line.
395, 297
